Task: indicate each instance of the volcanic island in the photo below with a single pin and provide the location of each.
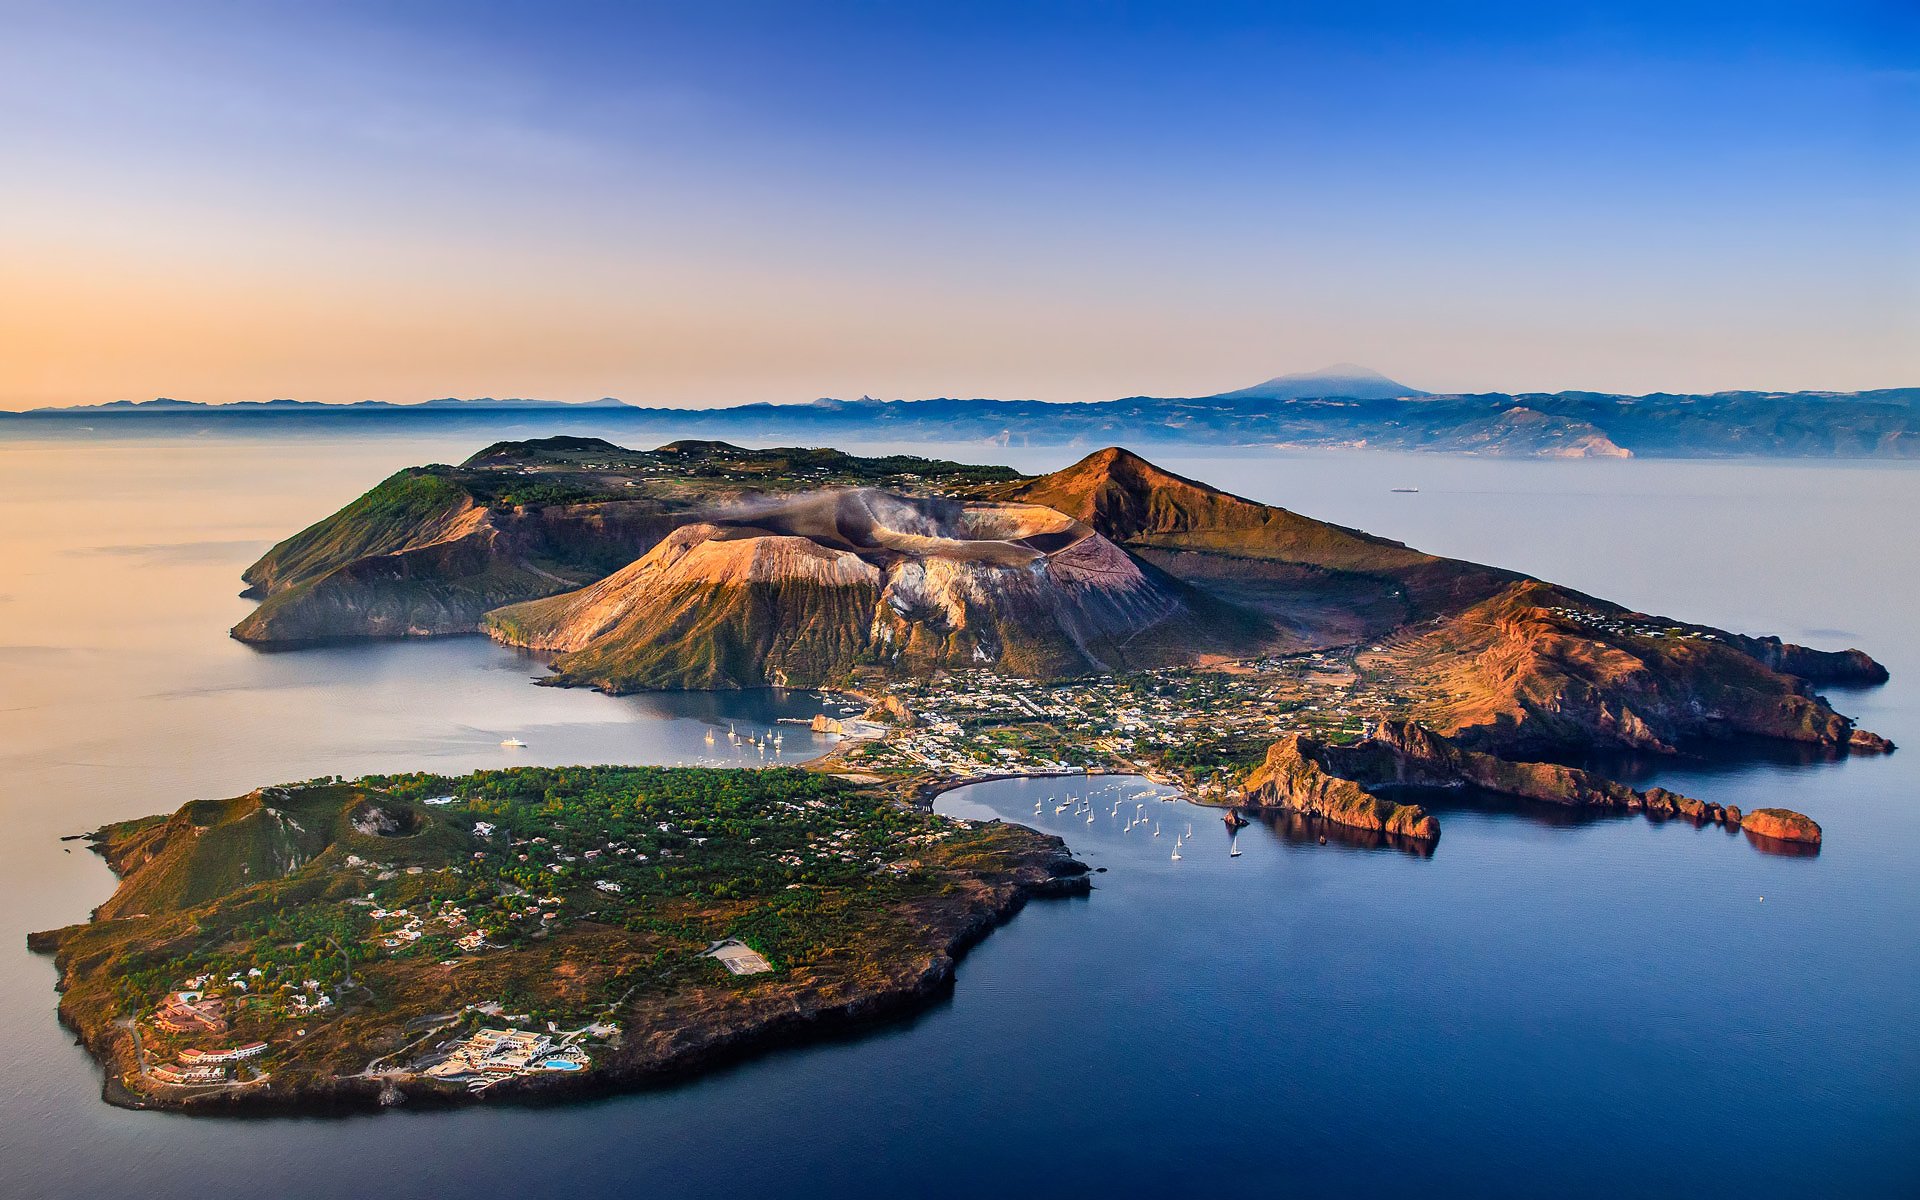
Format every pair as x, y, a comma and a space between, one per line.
539, 933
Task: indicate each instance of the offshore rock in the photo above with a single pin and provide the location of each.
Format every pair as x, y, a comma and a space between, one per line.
1782, 824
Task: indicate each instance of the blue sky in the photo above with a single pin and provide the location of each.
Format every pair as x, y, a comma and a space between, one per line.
720, 202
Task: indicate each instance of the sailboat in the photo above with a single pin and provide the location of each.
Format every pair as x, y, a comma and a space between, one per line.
1234, 851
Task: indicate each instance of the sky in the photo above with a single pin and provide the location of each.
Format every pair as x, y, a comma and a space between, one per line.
724, 202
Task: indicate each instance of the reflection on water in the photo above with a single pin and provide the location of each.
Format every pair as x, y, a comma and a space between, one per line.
1300, 829
1730, 756
1443, 802
1780, 848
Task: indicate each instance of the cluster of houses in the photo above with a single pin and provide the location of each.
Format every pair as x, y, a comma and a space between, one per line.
413, 926
191, 1012
491, 1055
979, 723
1631, 625
212, 1058
310, 1001
180, 1076
196, 1066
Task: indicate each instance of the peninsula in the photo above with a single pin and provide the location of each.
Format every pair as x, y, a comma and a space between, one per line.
519, 934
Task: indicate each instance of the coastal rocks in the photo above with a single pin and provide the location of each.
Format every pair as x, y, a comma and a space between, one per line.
1295, 776
1861, 741
1342, 783
1852, 667
1417, 756
1782, 824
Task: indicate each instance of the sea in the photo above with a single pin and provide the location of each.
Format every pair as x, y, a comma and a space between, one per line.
1538, 1007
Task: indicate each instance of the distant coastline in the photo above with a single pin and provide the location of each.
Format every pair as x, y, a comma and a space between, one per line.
1353, 411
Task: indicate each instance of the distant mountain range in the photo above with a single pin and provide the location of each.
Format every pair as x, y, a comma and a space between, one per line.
1342, 406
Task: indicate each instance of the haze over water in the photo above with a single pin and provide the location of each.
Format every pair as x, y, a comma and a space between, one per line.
1599, 1009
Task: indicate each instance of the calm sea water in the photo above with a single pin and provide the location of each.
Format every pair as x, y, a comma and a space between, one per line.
1602, 1009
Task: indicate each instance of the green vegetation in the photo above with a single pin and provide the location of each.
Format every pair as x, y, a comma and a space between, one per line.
403, 509
333, 920
430, 550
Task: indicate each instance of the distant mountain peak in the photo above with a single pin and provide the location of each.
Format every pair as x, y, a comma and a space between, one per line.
1347, 380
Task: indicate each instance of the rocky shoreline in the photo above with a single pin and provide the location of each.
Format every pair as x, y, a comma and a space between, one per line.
665, 1036
749, 1032
1357, 785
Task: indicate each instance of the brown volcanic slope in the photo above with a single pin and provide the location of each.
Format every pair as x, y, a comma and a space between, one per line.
432, 549
800, 590
1514, 663
1535, 668
1327, 584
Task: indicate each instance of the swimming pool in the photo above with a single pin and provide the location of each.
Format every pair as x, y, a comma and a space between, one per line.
560, 1064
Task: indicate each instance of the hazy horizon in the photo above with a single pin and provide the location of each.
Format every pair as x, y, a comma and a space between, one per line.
803, 402
217, 202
